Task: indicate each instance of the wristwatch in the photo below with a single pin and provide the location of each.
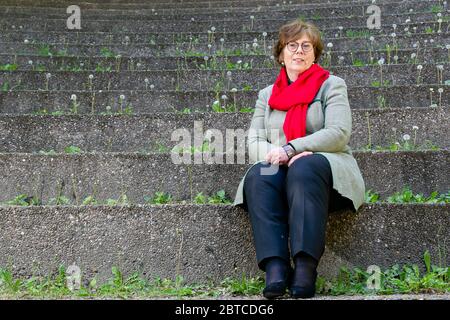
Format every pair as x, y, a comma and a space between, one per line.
290, 150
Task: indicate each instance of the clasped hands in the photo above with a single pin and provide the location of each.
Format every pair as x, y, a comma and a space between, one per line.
279, 156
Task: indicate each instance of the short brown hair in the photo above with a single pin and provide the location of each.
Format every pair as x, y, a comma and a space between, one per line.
295, 30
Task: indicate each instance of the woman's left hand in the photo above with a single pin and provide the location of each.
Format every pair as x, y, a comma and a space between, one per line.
302, 154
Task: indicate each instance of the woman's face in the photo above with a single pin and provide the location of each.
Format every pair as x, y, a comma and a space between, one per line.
300, 59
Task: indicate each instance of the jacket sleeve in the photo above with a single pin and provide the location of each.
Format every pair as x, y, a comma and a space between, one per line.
258, 146
335, 134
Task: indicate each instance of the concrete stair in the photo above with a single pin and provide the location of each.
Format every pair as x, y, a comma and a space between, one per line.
151, 53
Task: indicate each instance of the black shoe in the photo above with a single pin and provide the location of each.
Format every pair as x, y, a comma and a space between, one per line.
277, 289
304, 291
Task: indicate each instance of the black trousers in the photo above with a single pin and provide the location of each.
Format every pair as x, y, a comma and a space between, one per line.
289, 207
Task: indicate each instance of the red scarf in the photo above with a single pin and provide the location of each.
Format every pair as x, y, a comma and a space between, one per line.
296, 97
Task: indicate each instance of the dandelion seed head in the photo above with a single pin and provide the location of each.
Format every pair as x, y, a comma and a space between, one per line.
415, 128
224, 97
48, 75
234, 90
73, 97
91, 76
406, 137
26, 41
330, 45
419, 67
228, 73
152, 86
213, 29
146, 80
264, 34
206, 58
30, 62
222, 40
440, 90
108, 108
372, 38
122, 97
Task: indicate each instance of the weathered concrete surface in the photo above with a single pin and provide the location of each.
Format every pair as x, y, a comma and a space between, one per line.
107, 63
113, 133
107, 176
146, 49
262, 25
204, 242
195, 80
34, 102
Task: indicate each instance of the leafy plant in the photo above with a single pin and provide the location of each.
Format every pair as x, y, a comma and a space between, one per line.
9, 67
159, 198
122, 200
218, 198
24, 200
72, 150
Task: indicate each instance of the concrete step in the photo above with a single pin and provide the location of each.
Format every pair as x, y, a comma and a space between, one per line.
164, 8
311, 11
263, 25
132, 133
109, 63
204, 242
109, 38
140, 175
41, 102
149, 49
314, 14
401, 74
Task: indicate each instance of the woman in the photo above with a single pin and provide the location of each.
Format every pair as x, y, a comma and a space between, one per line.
303, 167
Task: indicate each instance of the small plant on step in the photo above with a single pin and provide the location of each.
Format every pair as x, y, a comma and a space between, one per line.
122, 200
89, 200
24, 200
219, 198
372, 197
200, 198
159, 198
72, 150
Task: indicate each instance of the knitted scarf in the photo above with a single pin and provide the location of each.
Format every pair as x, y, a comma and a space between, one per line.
296, 97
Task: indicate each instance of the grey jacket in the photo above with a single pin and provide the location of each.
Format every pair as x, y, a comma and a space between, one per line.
328, 129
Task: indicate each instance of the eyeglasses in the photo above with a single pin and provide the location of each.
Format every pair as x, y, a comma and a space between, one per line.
293, 46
